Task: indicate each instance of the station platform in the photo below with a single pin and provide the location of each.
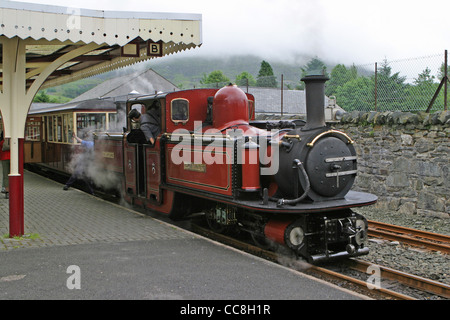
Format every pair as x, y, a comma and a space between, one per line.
78, 246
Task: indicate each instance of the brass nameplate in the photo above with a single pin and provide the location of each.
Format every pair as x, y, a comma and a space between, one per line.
197, 167
109, 155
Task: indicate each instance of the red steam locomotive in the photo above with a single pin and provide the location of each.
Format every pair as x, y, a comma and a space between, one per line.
286, 182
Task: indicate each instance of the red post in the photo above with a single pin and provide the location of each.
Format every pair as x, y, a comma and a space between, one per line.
16, 199
22, 193
15, 212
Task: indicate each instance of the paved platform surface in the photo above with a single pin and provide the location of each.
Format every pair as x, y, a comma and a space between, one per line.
77, 246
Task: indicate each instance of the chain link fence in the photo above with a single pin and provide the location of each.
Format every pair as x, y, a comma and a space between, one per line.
408, 85
272, 100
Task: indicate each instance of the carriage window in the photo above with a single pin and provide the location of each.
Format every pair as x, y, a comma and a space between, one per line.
65, 136
56, 132
59, 127
69, 127
33, 129
180, 110
113, 121
49, 120
91, 121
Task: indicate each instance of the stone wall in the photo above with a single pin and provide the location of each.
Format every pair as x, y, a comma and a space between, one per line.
403, 158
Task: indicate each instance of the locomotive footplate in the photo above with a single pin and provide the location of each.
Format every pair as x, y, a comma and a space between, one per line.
352, 199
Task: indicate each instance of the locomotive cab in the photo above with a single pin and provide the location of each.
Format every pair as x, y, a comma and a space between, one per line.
142, 181
152, 111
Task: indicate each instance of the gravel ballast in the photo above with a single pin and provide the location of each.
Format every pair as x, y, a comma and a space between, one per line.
428, 264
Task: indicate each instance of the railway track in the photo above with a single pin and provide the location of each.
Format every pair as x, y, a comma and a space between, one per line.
410, 280
356, 283
424, 239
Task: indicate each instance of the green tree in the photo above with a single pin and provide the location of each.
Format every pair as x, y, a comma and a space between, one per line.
339, 76
420, 94
441, 72
315, 66
424, 78
216, 77
266, 77
244, 79
391, 89
356, 94
42, 96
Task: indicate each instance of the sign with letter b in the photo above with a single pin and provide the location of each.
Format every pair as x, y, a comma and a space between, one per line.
155, 49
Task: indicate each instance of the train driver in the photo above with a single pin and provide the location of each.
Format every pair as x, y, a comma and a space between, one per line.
149, 123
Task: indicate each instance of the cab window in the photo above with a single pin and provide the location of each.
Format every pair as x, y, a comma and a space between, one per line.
179, 110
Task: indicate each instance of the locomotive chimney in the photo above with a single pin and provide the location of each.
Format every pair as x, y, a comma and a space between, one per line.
315, 101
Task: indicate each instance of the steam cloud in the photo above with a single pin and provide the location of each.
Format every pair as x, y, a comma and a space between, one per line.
89, 164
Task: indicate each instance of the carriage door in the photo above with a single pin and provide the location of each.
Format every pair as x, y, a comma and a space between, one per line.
134, 159
134, 170
153, 173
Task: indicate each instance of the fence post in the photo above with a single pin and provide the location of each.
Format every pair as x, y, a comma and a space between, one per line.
376, 85
282, 95
443, 83
446, 78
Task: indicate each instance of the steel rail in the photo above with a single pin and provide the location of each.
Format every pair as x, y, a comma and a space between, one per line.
410, 280
410, 236
415, 232
387, 293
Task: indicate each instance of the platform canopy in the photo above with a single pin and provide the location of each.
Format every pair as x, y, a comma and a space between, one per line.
43, 46
119, 39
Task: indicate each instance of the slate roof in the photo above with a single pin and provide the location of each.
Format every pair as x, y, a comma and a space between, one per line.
268, 100
144, 82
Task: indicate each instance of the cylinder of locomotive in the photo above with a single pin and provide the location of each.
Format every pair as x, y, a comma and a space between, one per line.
275, 230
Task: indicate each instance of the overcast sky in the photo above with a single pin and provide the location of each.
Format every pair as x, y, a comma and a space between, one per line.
341, 31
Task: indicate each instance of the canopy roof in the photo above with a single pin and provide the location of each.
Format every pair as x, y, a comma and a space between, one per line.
97, 104
122, 38
142, 82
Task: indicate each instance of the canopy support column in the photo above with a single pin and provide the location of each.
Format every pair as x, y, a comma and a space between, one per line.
15, 102
14, 112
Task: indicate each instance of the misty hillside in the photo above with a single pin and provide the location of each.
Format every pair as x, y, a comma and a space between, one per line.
185, 72
191, 70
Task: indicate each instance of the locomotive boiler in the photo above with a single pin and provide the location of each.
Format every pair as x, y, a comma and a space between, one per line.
285, 182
